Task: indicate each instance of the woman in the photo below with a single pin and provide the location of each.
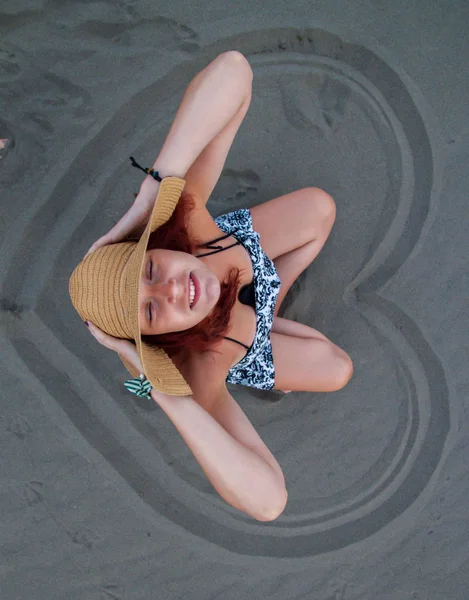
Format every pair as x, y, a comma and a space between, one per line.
210, 298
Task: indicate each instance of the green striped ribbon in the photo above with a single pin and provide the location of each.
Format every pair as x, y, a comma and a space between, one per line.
139, 386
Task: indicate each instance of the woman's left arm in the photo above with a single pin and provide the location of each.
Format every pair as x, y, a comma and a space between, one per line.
223, 441
232, 455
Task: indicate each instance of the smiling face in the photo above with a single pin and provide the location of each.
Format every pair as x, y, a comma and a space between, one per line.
176, 291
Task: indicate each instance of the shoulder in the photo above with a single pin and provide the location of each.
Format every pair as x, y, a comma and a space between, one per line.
201, 225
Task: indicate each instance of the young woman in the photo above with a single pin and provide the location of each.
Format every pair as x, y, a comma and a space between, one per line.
229, 284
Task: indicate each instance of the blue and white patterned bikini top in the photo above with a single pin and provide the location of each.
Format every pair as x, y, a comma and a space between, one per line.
256, 368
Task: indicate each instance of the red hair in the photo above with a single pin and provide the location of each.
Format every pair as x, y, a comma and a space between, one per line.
173, 235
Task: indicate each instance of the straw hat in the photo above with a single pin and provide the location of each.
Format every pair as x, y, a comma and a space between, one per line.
104, 289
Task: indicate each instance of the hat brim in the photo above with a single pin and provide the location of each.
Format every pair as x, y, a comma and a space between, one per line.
159, 369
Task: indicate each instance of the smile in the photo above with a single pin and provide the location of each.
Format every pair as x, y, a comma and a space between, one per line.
191, 292
194, 291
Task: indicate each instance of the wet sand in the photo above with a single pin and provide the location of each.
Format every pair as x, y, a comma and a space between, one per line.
100, 497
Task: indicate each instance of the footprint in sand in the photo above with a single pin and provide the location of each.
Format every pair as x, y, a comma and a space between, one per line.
314, 101
9, 65
235, 189
143, 33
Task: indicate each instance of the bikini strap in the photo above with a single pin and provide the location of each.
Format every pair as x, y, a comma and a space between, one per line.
223, 237
216, 249
236, 341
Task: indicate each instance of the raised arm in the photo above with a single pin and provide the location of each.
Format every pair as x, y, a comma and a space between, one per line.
228, 448
206, 123
198, 142
230, 452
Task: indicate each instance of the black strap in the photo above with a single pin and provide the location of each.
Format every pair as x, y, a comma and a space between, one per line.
236, 341
216, 249
223, 237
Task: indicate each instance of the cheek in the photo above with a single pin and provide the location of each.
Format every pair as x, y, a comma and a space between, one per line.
211, 290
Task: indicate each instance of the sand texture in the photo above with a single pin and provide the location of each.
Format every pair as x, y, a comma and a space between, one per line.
99, 496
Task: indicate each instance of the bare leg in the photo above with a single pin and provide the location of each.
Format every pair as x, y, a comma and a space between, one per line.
294, 229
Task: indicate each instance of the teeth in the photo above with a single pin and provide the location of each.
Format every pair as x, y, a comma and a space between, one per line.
192, 291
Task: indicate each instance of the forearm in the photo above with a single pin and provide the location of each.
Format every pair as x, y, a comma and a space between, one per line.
239, 475
209, 103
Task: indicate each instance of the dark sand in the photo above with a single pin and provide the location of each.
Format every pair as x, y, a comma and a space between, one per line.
99, 496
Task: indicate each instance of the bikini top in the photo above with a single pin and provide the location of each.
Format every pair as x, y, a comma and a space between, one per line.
246, 294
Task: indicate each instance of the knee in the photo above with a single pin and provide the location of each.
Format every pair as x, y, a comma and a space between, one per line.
322, 204
342, 371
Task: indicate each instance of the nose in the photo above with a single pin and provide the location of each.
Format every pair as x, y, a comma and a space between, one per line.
170, 289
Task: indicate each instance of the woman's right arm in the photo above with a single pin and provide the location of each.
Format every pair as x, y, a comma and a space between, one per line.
198, 142
230, 452
209, 103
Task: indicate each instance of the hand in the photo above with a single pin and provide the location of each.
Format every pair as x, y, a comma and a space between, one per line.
136, 218
124, 348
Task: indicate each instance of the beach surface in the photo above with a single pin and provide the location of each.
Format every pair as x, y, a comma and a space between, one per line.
99, 496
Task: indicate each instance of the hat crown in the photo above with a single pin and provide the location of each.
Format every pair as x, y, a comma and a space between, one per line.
104, 289
96, 285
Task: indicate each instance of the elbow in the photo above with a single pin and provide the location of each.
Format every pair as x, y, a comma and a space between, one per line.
238, 60
275, 509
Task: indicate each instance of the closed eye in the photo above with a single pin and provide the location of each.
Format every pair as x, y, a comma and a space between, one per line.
152, 311
150, 269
